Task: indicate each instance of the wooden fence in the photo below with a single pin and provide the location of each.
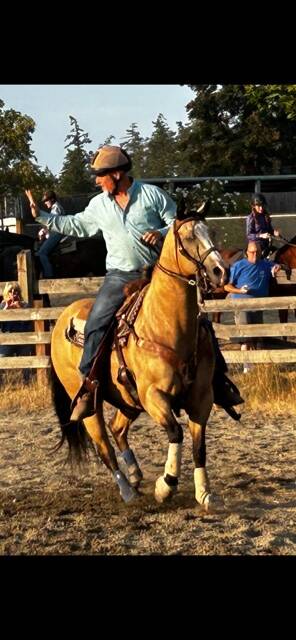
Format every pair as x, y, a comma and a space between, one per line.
88, 286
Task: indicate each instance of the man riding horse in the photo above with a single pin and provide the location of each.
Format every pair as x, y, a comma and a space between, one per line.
134, 218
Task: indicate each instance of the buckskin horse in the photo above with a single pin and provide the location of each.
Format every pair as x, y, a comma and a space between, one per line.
170, 356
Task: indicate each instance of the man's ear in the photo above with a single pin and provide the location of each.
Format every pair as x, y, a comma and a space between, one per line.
117, 174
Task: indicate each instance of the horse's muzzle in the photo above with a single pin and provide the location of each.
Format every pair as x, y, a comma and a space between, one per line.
220, 272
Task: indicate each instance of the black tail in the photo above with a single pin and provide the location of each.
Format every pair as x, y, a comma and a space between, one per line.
72, 431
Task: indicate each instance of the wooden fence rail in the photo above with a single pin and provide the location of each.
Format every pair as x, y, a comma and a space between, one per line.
89, 286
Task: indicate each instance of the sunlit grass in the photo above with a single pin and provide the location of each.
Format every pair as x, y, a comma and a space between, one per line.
267, 388
21, 397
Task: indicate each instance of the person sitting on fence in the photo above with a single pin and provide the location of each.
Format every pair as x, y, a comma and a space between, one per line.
249, 278
53, 238
13, 299
259, 226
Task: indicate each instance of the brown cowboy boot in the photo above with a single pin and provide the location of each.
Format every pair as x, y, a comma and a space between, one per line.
85, 402
84, 407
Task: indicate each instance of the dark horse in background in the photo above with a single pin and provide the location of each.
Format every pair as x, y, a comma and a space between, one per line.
74, 258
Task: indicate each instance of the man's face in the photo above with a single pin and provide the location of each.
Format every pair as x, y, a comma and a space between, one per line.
48, 203
108, 183
253, 252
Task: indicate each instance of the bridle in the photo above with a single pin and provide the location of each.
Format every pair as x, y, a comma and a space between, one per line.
200, 277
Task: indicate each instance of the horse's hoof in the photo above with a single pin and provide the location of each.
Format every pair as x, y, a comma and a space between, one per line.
163, 491
213, 504
129, 494
135, 478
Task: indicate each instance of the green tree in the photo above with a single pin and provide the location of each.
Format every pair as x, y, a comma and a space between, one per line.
161, 150
135, 146
240, 129
75, 176
17, 167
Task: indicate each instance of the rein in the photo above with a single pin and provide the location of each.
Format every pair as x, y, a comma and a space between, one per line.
199, 274
284, 241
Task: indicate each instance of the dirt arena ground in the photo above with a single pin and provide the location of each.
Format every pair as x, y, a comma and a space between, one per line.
46, 509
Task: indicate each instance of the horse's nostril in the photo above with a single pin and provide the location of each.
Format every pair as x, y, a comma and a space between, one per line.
217, 271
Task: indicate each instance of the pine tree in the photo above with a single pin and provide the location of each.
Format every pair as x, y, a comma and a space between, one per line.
75, 176
135, 146
161, 148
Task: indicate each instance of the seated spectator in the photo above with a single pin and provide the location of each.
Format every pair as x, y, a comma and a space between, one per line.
12, 299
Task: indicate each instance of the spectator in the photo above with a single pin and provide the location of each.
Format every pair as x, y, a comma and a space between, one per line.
249, 278
259, 226
53, 238
12, 299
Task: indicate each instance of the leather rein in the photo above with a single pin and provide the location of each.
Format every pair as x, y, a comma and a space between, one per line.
200, 276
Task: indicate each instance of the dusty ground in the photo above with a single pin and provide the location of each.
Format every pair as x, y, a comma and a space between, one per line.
45, 509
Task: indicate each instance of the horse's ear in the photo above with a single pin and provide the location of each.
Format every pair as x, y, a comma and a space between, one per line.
203, 209
181, 208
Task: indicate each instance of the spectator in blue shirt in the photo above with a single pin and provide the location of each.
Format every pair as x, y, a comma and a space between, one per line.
249, 278
259, 226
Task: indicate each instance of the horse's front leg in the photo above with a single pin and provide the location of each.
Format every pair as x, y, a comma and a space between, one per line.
158, 405
96, 428
119, 426
198, 406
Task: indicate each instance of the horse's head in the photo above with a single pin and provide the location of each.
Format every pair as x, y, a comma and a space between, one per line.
188, 209
195, 251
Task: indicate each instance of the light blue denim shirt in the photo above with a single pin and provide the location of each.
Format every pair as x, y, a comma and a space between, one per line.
149, 208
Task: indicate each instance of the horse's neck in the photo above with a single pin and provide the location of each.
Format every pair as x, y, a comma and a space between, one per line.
169, 311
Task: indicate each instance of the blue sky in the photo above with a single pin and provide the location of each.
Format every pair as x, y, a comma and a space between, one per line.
101, 110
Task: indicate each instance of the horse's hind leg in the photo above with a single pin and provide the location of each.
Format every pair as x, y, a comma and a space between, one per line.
96, 428
119, 426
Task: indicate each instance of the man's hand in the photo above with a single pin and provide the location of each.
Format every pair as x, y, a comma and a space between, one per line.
265, 236
275, 269
33, 205
13, 304
151, 237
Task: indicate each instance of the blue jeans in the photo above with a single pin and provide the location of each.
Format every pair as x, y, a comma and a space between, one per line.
110, 297
45, 250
